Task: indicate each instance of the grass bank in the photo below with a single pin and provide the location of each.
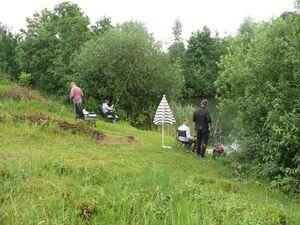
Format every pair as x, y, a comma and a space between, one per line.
49, 175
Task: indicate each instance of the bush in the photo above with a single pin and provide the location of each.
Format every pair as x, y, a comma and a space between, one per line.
25, 79
127, 64
262, 85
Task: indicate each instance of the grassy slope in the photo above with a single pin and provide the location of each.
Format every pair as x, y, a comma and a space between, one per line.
50, 176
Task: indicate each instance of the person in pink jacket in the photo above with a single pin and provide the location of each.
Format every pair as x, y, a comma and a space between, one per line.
76, 96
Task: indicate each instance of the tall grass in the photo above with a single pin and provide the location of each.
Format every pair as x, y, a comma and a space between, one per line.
53, 176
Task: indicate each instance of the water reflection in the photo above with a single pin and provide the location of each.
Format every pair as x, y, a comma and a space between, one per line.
222, 122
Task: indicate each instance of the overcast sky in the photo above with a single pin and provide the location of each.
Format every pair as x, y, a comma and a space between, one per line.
159, 15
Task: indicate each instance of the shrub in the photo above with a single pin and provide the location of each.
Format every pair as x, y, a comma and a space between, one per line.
25, 79
261, 84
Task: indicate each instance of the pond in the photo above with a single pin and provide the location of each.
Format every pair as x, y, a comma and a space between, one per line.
222, 122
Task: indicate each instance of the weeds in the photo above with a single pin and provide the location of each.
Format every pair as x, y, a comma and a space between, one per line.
81, 129
17, 93
37, 118
2, 119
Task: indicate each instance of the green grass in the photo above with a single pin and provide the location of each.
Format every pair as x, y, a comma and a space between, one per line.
51, 176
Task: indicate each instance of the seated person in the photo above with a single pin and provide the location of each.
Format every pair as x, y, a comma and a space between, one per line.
109, 111
188, 140
219, 150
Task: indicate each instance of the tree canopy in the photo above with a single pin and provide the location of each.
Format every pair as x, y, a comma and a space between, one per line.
49, 42
8, 45
201, 63
262, 86
127, 64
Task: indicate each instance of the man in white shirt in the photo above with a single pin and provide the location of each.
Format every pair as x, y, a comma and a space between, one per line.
187, 139
107, 109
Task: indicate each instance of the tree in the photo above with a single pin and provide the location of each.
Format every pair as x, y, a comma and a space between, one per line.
262, 85
49, 42
297, 5
177, 30
127, 64
201, 63
8, 44
177, 49
176, 52
102, 26
246, 31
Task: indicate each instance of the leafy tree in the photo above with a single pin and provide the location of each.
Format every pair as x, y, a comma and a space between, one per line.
49, 42
177, 30
201, 63
246, 31
8, 44
297, 5
263, 85
127, 64
102, 26
177, 49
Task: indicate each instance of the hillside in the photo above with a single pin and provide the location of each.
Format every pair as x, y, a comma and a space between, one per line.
53, 175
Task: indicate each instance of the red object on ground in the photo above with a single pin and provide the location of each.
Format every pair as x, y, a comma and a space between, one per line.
220, 149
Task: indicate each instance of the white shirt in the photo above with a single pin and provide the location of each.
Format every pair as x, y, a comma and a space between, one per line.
106, 108
185, 128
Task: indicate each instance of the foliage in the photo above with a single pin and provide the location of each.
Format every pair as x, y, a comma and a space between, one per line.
297, 4
246, 31
126, 64
8, 44
176, 52
48, 44
262, 85
25, 79
200, 65
177, 30
102, 25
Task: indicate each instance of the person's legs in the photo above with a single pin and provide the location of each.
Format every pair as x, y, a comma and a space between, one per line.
204, 143
188, 145
193, 145
109, 115
75, 111
78, 110
198, 141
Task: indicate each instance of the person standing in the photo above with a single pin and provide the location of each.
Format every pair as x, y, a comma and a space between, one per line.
203, 125
76, 96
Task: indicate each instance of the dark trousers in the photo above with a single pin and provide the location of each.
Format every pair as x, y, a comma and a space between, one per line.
202, 138
78, 110
189, 145
110, 113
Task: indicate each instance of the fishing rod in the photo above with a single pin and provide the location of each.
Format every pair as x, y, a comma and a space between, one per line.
121, 92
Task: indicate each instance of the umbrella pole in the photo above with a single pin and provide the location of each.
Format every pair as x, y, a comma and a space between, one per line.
163, 135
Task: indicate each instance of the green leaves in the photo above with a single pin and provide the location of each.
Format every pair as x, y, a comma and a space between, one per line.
200, 62
8, 44
260, 82
49, 42
126, 63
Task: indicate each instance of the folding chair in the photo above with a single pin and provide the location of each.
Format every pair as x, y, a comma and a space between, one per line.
182, 144
89, 117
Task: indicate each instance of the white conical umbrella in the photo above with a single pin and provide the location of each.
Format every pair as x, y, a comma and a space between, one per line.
163, 116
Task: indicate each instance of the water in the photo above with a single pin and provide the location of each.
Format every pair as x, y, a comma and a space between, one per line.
222, 122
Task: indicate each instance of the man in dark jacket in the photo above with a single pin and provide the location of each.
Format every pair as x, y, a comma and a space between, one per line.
202, 126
